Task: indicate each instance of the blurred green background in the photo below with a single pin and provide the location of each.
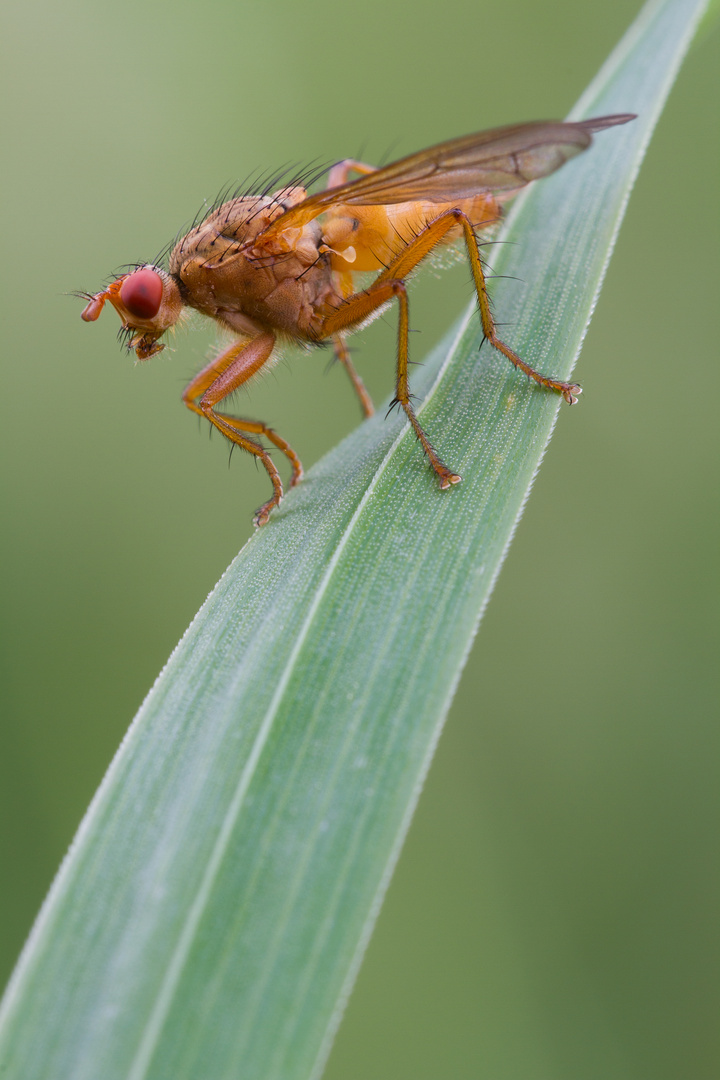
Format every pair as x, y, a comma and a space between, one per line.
554, 914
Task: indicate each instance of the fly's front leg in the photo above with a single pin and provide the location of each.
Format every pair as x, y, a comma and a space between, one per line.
220, 378
356, 309
343, 355
256, 427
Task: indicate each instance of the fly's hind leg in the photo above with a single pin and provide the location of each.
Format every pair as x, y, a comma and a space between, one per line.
423, 244
390, 284
219, 379
569, 391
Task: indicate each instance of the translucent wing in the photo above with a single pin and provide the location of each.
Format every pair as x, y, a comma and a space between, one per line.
503, 159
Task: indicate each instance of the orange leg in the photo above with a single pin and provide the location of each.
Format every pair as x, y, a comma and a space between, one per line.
339, 173
390, 284
220, 378
357, 308
343, 354
418, 248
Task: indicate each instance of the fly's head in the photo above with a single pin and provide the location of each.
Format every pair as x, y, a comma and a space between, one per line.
148, 303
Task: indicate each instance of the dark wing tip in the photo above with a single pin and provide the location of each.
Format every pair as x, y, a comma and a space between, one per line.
599, 123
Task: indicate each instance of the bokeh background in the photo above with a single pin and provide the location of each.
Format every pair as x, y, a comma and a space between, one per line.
554, 914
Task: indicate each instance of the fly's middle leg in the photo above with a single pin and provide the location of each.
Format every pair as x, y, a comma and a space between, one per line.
359, 307
343, 355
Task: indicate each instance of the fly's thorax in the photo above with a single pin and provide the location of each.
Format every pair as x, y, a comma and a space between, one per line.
226, 266
226, 228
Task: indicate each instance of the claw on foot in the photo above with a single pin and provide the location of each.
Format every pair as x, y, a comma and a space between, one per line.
262, 515
571, 392
448, 478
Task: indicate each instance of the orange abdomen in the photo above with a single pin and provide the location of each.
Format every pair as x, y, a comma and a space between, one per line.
367, 238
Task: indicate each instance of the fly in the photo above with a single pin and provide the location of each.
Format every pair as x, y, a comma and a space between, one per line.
284, 267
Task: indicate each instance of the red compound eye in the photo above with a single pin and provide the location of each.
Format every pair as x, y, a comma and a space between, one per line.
141, 293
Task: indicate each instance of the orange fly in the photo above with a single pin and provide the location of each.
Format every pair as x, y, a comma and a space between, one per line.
283, 267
